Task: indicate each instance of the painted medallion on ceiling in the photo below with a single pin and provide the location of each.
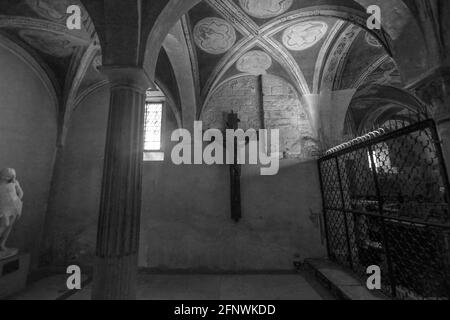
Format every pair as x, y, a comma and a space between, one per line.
264, 9
304, 35
214, 35
371, 40
254, 62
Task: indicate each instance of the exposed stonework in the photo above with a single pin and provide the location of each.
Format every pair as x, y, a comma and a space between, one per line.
239, 95
282, 110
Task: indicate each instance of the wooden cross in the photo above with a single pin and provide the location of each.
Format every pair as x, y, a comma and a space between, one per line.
235, 172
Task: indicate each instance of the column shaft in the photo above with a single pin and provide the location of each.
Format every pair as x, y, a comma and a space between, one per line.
120, 205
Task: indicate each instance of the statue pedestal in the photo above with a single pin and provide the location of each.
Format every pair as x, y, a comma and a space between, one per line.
13, 274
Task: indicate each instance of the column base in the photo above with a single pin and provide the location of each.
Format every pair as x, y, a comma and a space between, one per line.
115, 278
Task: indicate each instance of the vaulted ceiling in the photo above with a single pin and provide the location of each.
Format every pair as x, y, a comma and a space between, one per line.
310, 45
312, 49
40, 27
226, 38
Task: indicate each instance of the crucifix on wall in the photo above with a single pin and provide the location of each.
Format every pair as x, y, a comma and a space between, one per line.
232, 122
235, 172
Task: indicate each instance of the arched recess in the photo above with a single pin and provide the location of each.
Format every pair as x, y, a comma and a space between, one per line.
50, 22
352, 13
279, 53
166, 80
373, 105
393, 33
29, 106
335, 57
179, 56
39, 68
79, 66
405, 33
169, 16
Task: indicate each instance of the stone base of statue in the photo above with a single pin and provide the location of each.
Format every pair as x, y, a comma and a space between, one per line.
13, 273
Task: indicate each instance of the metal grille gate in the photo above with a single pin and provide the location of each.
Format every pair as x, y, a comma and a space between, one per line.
386, 203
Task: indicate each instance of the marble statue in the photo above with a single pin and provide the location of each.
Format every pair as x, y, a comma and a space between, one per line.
11, 196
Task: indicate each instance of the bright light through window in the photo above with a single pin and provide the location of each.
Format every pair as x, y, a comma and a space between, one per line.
153, 121
382, 159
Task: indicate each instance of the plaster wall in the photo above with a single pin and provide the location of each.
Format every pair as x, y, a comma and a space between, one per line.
71, 230
28, 141
185, 221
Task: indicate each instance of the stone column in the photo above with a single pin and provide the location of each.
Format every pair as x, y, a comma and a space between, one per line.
327, 112
434, 89
120, 205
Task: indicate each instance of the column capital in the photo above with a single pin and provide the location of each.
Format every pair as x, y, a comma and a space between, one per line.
128, 77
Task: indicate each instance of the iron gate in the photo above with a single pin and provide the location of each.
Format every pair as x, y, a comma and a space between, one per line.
386, 203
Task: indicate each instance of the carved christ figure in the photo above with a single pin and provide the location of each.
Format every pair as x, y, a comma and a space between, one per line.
11, 196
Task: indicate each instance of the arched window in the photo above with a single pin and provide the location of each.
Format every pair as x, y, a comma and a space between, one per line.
154, 126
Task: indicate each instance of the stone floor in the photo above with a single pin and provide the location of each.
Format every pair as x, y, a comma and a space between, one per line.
195, 287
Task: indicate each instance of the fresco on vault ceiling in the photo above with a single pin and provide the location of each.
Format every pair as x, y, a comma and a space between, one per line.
254, 62
97, 62
304, 35
48, 42
371, 40
214, 35
385, 74
52, 10
265, 9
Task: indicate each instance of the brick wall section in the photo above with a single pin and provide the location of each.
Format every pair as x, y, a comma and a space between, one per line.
282, 110
238, 95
